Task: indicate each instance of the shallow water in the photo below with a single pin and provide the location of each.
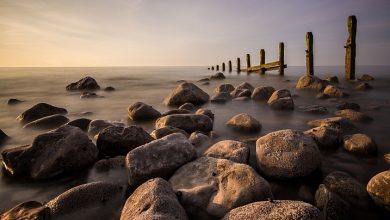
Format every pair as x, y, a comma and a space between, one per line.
152, 84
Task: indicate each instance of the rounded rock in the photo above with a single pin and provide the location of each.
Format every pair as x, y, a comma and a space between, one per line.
262, 93
186, 92
140, 111
231, 150
379, 189
244, 122
167, 130
360, 143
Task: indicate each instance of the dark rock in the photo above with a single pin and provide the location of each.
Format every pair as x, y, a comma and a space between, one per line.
188, 106
82, 123
13, 101
95, 126
48, 122
332, 206
262, 93
86, 83
333, 91
110, 170
206, 112
244, 93
186, 122
360, 144
228, 149
205, 83
89, 95
282, 100
349, 105
311, 82
204, 80
217, 76
333, 79
38, 111
109, 89
167, 130
114, 140
313, 109
322, 96
387, 158
159, 158
325, 136
3, 137
154, 199
221, 97
26, 211
140, 111
107, 164
227, 88
366, 77
353, 115
340, 123
244, 122
186, 92
378, 188
175, 112
245, 85
363, 86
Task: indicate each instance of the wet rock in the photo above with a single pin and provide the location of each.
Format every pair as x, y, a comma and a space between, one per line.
188, 106
82, 123
277, 209
26, 211
226, 88
237, 92
221, 98
353, 115
175, 111
186, 92
65, 149
333, 79
154, 199
207, 112
360, 143
89, 95
244, 93
204, 80
114, 140
217, 76
167, 130
140, 111
186, 122
363, 86
210, 187
262, 93
333, 91
281, 99
325, 136
379, 189
349, 105
48, 122
83, 201
109, 89
38, 111
311, 82
13, 101
332, 206
287, 154
3, 137
87, 83
313, 109
159, 158
231, 150
366, 77
245, 85
107, 164
95, 126
244, 123
340, 123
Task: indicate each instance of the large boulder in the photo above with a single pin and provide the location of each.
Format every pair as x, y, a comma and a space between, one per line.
95, 126
140, 111
38, 111
30, 210
228, 88
379, 189
167, 130
311, 82
48, 122
210, 187
159, 158
262, 93
186, 122
325, 136
82, 123
275, 210
353, 115
244, 122
97, 200
244, 85
231, 150
186, 92
359, 143
154, 199
333, 91
115, 140
281, 99
287, 154
332, 206
67, 148
217, 76
221, 97
87, 83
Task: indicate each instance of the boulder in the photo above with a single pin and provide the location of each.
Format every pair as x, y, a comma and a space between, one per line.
221, 97
231, 150
95, 126
325, 136
244, 93
82, 123
217, 76
86, 83
353, 115
38, 111
140, 111
154, 199
159, 158
115, 140
26, 211
48, 122
349, 105
167, 130
333, 79
207, 112
363, 86
200, 141
245, 85
89, 95
186, 122
3, 137
313, 109
379, 189
262, 93
186, 92
13, 101
65, 149
360, 144
97, 200
287, 154
175, 111
311, 82
340, 123
276, 210
366, 77
333, 91
244, 123
226, 88
210, 187
188, 106
332, 206
109, 89
281, 99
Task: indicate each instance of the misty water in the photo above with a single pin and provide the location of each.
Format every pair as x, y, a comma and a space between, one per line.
152, 84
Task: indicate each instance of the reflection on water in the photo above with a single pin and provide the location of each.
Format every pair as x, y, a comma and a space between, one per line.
152, 84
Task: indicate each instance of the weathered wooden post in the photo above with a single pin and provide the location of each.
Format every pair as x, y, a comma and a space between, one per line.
238, 65
248, 61
309, 54
223, 67
262, 60
281, 58
212, 68
350, 49
230, 65
217, 67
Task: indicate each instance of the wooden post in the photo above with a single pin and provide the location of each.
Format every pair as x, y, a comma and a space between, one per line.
262, 60
248, 61
230, 65
350, 49
309, 54
238, 65
281, 58
217, 67
212, 68
223, 67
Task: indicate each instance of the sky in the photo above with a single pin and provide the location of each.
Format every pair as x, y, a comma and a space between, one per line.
187, 32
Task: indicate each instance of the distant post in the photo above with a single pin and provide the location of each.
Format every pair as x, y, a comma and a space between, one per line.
223, 67
248, 61
217, 67
212, 68
281, 58
230, 65
309, 54
262, 60
350, 49
238, 65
